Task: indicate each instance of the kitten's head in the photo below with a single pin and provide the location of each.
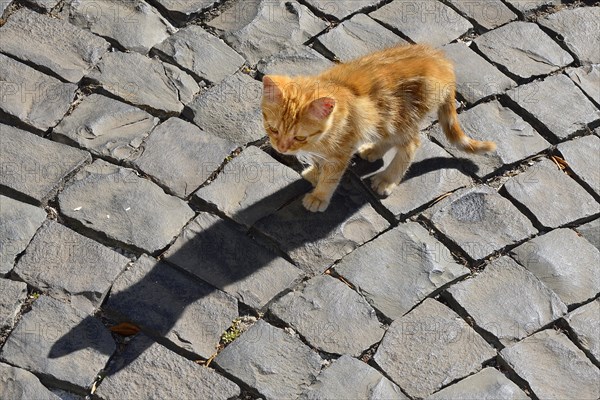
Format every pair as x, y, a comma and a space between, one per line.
294, 115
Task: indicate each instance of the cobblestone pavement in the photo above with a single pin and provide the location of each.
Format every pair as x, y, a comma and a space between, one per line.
153, 246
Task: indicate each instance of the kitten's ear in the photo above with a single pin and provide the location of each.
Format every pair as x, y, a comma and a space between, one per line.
321, 108
271, 91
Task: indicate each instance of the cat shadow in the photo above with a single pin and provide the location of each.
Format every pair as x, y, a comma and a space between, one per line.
417, 169
86, 334
309, 227
420, 168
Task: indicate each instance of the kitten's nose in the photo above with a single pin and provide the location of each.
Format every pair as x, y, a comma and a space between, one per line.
277, 145
283, 146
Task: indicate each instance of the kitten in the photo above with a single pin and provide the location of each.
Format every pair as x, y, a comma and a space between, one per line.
369, 105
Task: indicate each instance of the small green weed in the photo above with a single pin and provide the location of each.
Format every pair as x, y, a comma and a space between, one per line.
232, 333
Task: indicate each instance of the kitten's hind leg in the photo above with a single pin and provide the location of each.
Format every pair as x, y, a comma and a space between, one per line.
385, 181
373, 151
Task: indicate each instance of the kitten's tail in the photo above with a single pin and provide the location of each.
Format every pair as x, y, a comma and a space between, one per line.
449, 121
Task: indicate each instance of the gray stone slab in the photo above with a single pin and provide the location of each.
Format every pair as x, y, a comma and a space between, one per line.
181, 157
316, 240
69, 267
231, 109
184, 9
276, 364
3, 6
200, 53
588, 79
575, 25
551, 195
399, 269
523, 49
349, 378
147, 370
12, 296
527, 6
252, 186
431, 347
34, 167
554, 367
489, 14
591, 231
508, 301
105, 127
60, 343
296, 60
52, 44
20, 221
133, 24
342, 8
116, 203
565, 262
515, 139
189, 313
559, 116
432, 174
145, 82
488, 384
260, 28
36, 99
585, 323
16, 383
471, 217
216, 251
476, 78
357, 37
427, 21
582, 156
330, 316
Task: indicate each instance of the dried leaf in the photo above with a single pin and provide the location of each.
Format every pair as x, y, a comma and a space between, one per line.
562, 165
560, 162
125, 329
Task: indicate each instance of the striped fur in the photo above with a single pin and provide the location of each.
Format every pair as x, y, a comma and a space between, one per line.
369, 105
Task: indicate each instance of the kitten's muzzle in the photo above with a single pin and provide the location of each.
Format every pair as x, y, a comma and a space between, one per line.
282, 147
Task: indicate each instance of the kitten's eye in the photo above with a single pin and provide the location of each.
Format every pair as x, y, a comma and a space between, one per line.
273, 130
300, 138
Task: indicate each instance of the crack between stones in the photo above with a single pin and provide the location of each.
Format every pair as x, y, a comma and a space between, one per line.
559, 40
495, 362
476, 25
39, 68
564, 326
585, 185
513, 376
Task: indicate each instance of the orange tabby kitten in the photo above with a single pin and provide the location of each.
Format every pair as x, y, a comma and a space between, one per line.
369, 105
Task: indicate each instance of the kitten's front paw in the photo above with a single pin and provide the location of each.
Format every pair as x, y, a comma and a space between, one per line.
315, 203
369, 152
311, 174
382, 186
